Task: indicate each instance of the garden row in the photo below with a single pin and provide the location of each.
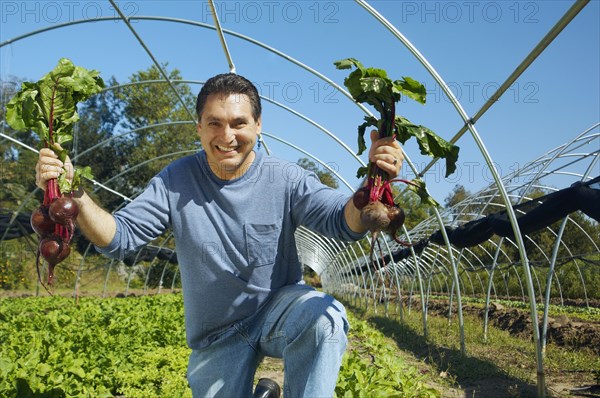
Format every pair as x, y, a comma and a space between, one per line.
135, 347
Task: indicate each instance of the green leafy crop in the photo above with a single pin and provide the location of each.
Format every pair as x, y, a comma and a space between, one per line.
373, 86
48, 107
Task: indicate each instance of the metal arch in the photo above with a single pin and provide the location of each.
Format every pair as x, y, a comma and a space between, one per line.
469, 124
152, 57
417, 262
343, 257
490, 283
162, 276
361, 274
329, 168
317, 125
314, 241
356, 264
460, 259
326, 245
364, 259
105, 286
165, 240
221, 36
308, 239
198, 24
338, 264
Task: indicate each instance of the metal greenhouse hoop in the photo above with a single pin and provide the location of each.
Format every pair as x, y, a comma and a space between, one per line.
440, 267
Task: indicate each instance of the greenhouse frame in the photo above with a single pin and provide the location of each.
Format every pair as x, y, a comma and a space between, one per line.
476, 247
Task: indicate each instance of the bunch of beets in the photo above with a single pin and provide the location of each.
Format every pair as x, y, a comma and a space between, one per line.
48, 108
372, 86
378, 211
54, 222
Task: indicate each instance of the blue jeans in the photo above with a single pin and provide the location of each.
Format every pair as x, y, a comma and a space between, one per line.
305, 327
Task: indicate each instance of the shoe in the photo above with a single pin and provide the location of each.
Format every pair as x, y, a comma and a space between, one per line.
267, 388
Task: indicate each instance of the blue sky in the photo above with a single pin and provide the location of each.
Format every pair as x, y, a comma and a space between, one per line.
474, 46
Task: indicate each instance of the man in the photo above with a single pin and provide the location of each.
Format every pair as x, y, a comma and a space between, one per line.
233, 212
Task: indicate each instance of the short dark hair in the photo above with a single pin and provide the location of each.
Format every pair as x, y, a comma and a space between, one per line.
229, 83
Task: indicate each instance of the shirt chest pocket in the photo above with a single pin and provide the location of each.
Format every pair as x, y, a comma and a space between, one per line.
262, 241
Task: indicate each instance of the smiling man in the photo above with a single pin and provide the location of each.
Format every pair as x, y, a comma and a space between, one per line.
229, 124
233, 212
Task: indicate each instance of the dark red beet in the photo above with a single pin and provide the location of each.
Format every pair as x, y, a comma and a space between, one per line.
63, 210
374, 216
41, 222
396, 216
54, 250
64, 253
361, 198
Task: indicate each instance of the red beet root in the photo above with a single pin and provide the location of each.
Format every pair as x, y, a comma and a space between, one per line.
396, 216
63, 210
361, 198
53, 250
54, 221
374, 216
41, 222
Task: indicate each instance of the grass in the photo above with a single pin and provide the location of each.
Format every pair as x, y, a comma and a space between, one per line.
502, 365
373, 367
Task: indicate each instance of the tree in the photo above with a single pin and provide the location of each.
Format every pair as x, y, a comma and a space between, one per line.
17, 164
458, 194
325, 176
152, 110
98, 126
414, 210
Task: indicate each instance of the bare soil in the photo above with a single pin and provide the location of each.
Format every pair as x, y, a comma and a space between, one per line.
562, 330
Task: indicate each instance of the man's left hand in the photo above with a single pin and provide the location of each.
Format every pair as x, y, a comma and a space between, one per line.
386, 153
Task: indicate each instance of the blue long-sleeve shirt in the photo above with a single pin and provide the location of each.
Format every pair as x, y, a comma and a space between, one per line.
234, 238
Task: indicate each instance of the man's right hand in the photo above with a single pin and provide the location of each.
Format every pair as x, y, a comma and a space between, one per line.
95, 223
49, 166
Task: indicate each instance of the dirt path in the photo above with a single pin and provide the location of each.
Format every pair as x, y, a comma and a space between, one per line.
559, 383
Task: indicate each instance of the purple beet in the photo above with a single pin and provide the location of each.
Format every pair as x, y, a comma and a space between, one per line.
41, 222
374, 216
63, 210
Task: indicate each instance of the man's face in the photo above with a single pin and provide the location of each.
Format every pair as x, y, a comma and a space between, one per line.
228, 133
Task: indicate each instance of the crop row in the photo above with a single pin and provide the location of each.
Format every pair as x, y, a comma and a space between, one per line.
135, 347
